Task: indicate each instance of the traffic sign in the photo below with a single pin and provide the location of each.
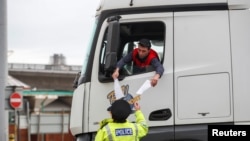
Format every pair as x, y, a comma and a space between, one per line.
15, 100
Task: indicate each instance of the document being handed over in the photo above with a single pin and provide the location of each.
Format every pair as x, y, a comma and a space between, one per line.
146, 85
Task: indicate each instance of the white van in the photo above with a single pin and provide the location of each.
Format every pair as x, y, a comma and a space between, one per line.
204, 46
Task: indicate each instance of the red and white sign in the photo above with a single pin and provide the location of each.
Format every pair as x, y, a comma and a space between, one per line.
15, 100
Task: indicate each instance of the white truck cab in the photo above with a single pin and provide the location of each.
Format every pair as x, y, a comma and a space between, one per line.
204, 47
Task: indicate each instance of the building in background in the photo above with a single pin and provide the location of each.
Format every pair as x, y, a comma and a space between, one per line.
47, 94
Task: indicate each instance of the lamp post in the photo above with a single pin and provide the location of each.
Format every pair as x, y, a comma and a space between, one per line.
3, 67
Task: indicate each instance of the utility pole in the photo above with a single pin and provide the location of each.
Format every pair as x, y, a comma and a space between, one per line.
3, 67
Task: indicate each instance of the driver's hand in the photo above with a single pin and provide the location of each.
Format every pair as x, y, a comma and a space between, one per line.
115, 75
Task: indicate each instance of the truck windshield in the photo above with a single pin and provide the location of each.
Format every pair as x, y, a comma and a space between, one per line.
88, 49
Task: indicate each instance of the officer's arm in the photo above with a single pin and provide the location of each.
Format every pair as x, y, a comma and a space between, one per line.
141, 124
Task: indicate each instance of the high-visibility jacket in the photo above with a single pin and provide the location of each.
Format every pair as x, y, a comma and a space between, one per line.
123, 131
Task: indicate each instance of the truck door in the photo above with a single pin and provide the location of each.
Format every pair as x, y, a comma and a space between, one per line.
156, 102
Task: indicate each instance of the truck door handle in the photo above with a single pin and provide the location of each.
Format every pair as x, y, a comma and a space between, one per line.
204, 114
163, 114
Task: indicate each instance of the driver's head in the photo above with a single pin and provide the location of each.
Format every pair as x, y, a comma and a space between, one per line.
144, 46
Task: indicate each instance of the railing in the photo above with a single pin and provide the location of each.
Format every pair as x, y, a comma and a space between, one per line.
19, 66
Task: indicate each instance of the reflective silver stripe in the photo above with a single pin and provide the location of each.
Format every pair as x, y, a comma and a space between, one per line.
109, 133
136, 131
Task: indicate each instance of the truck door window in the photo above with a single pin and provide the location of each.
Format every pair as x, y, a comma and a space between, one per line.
130, 34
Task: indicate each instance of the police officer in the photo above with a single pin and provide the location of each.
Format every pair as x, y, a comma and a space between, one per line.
119, 128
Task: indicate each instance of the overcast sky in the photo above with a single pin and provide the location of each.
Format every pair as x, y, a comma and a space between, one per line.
37, 29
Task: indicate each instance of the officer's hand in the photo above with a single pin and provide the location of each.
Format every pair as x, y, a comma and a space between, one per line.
137, 106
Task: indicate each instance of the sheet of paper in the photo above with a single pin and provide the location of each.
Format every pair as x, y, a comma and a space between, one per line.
118, 90
146, 85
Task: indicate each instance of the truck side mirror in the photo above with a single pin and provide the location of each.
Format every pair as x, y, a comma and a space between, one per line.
113, 38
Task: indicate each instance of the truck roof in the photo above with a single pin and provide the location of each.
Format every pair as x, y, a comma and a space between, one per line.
122, 4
